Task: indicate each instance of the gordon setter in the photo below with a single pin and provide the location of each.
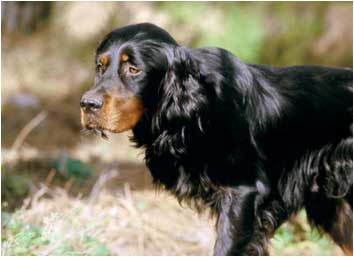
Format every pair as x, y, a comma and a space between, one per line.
252, 143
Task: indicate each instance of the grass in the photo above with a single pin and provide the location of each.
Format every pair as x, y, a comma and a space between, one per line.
130, 223
22, 238
299, 238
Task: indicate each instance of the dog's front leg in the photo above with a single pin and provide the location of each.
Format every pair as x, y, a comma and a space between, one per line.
235, 224
243, 226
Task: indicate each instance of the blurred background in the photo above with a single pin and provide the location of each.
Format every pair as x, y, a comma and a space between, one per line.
67, 194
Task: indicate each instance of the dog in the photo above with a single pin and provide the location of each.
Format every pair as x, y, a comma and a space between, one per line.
253, 144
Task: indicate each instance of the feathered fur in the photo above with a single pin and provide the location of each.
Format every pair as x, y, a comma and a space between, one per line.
253, 143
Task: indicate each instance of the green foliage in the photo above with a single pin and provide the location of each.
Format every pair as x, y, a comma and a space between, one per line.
15, 185
233, 26
293, 41
69, 167
276, 33
20, 238
241, 34
300, 238
185, 12
5, 218
94, 246
14, 189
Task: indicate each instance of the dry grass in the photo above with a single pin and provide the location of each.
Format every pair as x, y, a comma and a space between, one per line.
128, 223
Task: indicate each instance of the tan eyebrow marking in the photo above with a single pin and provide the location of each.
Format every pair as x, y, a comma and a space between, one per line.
104, 60
124, 57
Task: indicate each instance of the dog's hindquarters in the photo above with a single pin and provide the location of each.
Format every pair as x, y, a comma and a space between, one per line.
331, 207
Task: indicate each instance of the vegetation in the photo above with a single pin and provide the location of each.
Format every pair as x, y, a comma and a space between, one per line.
132, 223
21, 238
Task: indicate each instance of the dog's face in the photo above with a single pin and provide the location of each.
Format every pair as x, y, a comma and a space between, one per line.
130, 64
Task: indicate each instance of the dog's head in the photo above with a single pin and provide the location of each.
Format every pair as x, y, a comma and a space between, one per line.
131, 63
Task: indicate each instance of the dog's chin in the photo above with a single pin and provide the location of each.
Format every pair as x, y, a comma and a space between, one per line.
102, 131
96, 131
92, 126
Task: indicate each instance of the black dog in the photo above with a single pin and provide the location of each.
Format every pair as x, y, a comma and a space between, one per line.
252, 143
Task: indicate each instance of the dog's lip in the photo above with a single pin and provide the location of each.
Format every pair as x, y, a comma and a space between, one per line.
96, 130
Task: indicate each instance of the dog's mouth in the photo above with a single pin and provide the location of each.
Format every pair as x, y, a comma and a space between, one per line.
90, 126
99, 132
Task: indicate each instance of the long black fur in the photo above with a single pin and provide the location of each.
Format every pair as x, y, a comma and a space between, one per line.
253, 143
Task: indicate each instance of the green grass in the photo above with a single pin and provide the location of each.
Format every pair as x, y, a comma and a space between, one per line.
21, 238
299, 238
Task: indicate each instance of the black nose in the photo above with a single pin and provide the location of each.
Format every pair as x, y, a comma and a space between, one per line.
91, 104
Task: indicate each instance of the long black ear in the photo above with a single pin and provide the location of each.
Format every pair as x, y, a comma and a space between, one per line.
182, 106
182, 97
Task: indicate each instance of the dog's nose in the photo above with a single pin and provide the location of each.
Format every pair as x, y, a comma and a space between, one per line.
91, 104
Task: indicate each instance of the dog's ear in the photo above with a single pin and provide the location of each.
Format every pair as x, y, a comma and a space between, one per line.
182, 97
182, 107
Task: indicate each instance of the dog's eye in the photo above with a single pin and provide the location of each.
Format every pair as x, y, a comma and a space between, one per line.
133, 70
